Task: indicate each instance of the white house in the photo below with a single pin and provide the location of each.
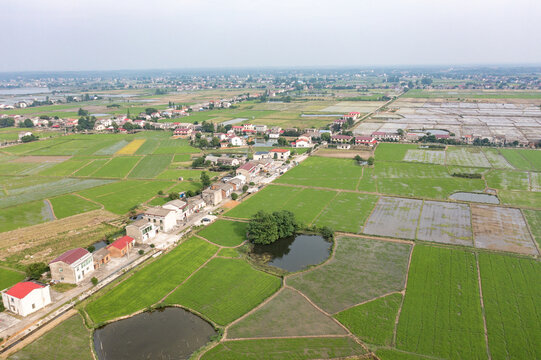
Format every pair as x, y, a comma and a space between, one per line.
26, 297
72, 266
163, 219
179, 207
262, 155
236, 141
280, 154
141, 230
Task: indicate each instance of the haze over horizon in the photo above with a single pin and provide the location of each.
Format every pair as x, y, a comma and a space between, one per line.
60, 35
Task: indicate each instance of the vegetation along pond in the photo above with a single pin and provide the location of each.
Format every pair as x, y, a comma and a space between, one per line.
294, 253
170, 333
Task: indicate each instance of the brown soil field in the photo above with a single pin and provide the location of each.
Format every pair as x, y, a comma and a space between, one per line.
503, 229
344, 154
43, 242
230, 204
40, 159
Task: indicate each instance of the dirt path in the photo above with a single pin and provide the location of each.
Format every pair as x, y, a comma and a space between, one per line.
38, 333
370, 300
482, 304
325, 207
393, 343
401, 241
133, 167
87, 199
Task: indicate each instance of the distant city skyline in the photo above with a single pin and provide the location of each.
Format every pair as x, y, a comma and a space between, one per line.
61, 35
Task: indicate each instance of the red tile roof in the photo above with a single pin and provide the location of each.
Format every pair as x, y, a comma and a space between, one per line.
279, 150
71, 256
20, 290
122, 242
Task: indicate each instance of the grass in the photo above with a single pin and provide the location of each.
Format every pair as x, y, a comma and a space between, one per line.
528, 199
347, 212
293, 348
68, 205
9, 278
152, 282
68, 340
361, 270
118, 167
511, 293
150, 166
533, 218
373, 322
120, 197
225, 289
324, 172
276, 319
26, 214
225, 233
228, 253
441, 315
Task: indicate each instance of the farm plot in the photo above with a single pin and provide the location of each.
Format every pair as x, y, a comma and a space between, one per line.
309, 203
530, 199
225, 289
287, 314
533, 157
507, 180
511, 293
271, 198
373, 322
368, 181
171, 270
425, 156
535, 181
347, 212
9, 278
48, 189
23, 168
91, 167
496, 159
67, 167
112, 148
394, 217
186, 174
118, 167
360, 270
69, 205
131, 148
463, 156
503, 229
441, 314
534, 221
446, 223
120, 197
68, 340
514, 157
150, 166
293, 348
393, 152
175, 146
225, 233
324, 172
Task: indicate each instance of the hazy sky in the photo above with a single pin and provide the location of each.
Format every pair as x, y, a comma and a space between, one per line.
139, 34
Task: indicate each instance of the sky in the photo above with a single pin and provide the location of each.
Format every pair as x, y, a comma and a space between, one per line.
65, 35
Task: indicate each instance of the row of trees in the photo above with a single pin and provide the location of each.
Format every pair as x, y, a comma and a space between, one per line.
265, 228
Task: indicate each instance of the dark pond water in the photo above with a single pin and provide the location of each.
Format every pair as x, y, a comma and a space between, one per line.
172, 333
294, 253
475, 197
99, 245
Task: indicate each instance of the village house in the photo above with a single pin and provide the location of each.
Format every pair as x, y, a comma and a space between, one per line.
260, 129
212, 196
238, 182
121, 246
141, 230
340, 122
72, 266
280, 154
236, 141
262, 155
26, 297
341, 138
237, 129
163, 219
382, 135
224, 160
365, 140
101, 257
345, 146
195, 204
179, 207
248, 170
227, 189
183, 132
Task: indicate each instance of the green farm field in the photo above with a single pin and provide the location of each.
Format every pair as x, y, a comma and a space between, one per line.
150, 166
26, 214
68, 205
172, 269
225, 233
118, 167
225, 289
9, 277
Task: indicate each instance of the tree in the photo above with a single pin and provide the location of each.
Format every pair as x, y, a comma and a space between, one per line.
326, 137
371, 161
94, 281
234, 196
149, 111
358, 158
244, 188
34, 270
198, 162
29, 138
173, 196
327, 232
282, 141
28, 123
215, 142
82, 112
262, 229
205, 179
91, 248
286, 222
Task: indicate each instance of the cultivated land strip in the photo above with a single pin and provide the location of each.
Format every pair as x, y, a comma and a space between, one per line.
393, 342
482, 305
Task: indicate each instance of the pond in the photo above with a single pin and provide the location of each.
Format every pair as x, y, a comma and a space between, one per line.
170, 333
294, 253
99, 245
475, 197
233, 121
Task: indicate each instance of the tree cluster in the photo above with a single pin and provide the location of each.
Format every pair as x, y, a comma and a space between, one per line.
265, 228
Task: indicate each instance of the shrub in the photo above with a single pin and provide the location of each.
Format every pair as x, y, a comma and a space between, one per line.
34, 271
141, 252
234, 196
94, 281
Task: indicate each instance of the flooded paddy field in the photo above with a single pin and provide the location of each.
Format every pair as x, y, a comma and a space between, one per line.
394, 217
503, 229
446, 223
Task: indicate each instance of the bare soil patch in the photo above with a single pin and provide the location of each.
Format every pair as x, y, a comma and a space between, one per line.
503, 229
230, 204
